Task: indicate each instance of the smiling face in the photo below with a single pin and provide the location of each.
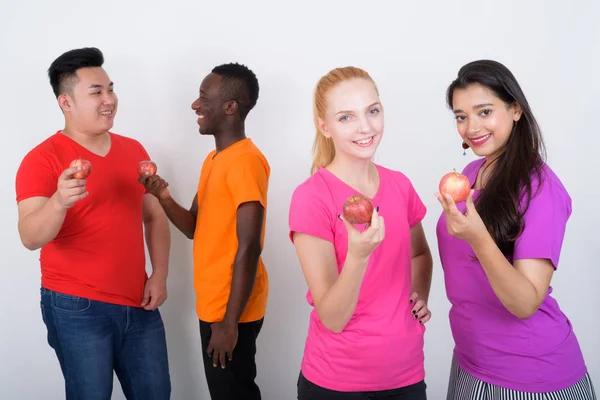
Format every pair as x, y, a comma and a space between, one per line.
354, 119
483, 120
209, 105
91, 105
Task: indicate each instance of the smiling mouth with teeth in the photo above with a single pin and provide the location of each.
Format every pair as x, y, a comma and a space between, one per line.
106, 113
480, 139
364, 141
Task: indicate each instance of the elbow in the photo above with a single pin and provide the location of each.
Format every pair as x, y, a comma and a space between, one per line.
332, 326
29, 244
526, 312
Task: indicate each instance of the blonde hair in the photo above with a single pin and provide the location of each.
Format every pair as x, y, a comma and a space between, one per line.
323, 148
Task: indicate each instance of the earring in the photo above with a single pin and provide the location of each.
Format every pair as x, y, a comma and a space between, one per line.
465, 146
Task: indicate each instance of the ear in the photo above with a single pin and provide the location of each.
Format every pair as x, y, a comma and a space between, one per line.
517, 111
323, 128
64, 102
230, 107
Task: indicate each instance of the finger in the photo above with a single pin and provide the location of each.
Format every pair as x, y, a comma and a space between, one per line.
375, 220
162, 299
452, 209
76, 197
143, 179
222, 359
66, 174
413, 298
470, 204
210, 348
351, 229
73, 183
442, 201
153, 303
215, 357
426, 317
419, 307
230, 355
381, 231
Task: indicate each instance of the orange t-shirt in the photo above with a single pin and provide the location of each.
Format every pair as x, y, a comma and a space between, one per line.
236, 175
99, 251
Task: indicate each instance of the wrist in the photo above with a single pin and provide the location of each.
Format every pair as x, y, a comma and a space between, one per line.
165, 201
229, 321
357, 258
56, 205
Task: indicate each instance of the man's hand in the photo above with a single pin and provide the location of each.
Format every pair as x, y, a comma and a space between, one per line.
155, 185
223, 339
68, 189
155, 292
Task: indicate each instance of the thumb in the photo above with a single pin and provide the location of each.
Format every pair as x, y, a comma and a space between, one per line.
146, 298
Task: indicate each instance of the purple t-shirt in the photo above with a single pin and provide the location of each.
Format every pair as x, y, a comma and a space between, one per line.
537, 354
381, 347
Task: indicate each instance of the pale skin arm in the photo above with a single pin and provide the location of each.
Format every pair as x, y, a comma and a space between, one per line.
158, 240
41, 218
422, 263
522, 286
335, 295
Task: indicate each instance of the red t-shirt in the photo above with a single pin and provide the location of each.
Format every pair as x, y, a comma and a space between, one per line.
99, 251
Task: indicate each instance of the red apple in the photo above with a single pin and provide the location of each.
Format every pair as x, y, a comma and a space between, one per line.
85, 171
358, 209
147, 166
456, 185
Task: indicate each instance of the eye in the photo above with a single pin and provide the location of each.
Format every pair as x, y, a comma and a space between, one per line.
485, 112
344, 118
374, 111
460, 118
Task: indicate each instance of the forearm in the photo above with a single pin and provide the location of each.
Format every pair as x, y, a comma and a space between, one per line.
183, 219
158, 240
422, 269
41, 227
244, 275
339, 302
515, 291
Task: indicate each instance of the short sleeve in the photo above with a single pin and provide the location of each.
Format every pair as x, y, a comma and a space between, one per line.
35, 177
545, 222
248, 180
416, 209
309, 213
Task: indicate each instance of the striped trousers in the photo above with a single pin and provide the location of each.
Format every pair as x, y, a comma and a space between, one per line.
463, 386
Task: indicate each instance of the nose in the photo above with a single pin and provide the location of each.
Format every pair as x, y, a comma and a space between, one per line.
108, 99
195, 104
365, 125
473, 125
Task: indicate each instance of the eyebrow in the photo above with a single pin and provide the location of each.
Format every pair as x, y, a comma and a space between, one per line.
478, 106
96, 85
348, 111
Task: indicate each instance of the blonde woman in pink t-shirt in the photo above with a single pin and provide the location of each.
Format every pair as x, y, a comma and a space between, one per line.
368, 283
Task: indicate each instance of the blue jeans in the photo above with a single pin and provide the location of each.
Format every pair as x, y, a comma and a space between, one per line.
92, 339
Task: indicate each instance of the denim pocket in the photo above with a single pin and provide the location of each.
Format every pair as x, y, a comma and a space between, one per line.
67, 303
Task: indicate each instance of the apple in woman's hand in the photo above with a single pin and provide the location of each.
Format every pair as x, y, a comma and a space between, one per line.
85, 171
456, 185
147, 166
358, 209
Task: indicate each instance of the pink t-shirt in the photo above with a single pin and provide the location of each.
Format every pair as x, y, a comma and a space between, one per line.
537, 354
381, 347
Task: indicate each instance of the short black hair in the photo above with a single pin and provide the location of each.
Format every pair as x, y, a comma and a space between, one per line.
239, 84
62, 71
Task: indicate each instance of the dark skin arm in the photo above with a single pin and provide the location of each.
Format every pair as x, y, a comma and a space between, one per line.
224, 335
184, 220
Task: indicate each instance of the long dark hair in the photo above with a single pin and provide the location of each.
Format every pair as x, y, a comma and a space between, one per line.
520, 160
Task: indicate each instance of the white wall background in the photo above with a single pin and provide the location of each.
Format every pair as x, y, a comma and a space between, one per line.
158, 52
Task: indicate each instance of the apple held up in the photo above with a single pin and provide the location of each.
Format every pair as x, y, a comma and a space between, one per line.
147, 166
357, 209
85, 171
456, 185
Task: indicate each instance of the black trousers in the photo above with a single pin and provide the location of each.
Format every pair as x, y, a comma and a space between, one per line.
309, 391
237, 380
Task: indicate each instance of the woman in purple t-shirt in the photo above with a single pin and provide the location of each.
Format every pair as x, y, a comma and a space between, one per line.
500, 248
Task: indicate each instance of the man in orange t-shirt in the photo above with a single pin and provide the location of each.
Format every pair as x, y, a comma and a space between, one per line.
227, 223
99, 307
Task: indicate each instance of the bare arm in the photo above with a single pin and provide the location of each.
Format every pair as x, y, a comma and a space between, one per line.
521, 288
249, 225
158, 235
335, 295
184, 220
422, 263
40, 218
